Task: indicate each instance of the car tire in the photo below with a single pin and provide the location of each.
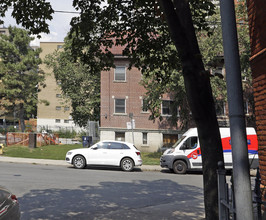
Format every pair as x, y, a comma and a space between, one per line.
79, 162
127, 164
180, 167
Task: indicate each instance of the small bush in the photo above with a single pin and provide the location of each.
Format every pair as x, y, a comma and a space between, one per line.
64, 133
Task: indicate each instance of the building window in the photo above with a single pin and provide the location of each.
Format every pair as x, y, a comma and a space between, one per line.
58, 108
144, 138
59, 46
166, 107
144, 105
120, 136
220, 108
66, 121
58, 96
120, 73
66, 108
120, 106
57, 120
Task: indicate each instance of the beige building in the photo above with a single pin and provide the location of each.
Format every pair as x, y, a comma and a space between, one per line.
56, 115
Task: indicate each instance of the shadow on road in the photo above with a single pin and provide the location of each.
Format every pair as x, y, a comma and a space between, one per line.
107, 168
161, 199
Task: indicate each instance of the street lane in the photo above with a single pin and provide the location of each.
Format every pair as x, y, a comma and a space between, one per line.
58, 192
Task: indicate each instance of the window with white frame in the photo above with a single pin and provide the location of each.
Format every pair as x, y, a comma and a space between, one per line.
120, 73
66, 121
57, 120
144, 138
144, 105
167, 107
120, 136
120, 106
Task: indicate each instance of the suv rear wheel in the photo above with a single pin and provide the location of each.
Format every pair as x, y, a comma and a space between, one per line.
127, 164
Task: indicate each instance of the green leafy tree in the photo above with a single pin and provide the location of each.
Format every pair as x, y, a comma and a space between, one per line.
79, 83
19, 74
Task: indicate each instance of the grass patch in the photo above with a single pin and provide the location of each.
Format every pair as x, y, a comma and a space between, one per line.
151, 158
53, 152
58, 152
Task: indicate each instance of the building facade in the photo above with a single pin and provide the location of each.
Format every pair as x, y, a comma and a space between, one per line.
56, 115
123, 105
257, 21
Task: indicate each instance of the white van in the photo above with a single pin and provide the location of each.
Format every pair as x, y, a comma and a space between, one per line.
186, 154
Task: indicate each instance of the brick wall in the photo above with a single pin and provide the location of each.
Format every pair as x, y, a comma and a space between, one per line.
259, 84
133, 92
257, 21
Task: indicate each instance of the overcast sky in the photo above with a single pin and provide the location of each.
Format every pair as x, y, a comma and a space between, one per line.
59, 26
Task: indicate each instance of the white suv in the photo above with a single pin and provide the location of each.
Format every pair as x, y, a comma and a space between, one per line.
109, 153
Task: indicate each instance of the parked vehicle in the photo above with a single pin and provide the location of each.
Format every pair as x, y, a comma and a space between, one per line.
186, 154
9, 206
107, 153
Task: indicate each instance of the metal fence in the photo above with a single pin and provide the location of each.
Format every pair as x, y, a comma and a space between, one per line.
226, 196
19, 138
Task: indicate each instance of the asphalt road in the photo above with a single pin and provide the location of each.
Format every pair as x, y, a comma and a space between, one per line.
62, 192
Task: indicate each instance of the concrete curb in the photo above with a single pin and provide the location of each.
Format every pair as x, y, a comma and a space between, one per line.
61, 162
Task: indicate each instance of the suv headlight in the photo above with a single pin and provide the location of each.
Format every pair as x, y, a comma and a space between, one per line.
69, 153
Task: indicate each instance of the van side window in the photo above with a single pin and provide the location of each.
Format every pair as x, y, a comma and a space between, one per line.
191, 143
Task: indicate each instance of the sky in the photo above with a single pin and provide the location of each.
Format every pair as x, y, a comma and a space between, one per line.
59, 26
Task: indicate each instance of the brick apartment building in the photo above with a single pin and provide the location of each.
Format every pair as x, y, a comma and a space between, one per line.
122, 103
257, 21
56, 115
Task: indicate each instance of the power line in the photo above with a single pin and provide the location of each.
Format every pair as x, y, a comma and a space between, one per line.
68, 12
60, 11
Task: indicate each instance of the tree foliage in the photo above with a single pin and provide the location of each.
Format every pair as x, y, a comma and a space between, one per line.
211, 46
79, 83
19, 74
32, 15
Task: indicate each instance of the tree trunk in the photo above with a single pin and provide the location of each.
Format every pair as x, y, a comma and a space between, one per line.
21, 117
197, 83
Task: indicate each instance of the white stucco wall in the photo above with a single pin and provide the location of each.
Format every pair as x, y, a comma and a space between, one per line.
49, 124
155, 139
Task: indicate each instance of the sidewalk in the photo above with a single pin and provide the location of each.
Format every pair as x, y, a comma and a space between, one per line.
62, 162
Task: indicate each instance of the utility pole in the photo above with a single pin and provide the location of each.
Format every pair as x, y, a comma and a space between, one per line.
241, 170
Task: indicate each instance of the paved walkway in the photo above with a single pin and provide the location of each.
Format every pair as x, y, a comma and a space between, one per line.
61, 162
